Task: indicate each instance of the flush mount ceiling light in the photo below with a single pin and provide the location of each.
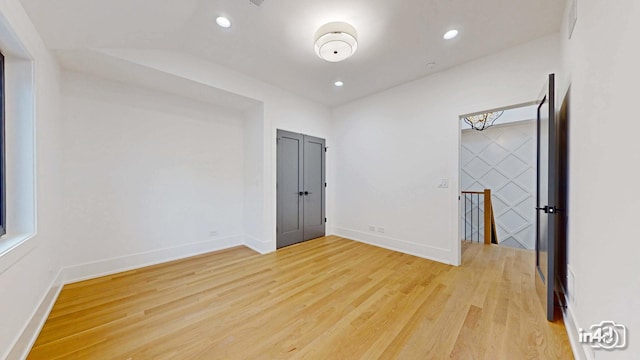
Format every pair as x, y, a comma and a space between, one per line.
223, 22
338, 84
450, 34
336, 41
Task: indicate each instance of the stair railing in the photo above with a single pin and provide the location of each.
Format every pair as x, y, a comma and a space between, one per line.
471, 212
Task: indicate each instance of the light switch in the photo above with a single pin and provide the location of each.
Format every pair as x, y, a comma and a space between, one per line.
444, 183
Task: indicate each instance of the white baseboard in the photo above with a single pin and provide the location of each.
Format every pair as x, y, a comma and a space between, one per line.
403, 246
262, 247
119, 264
30, 333
580, 351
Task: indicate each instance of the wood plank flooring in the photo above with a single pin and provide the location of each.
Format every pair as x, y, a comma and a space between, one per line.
329, 298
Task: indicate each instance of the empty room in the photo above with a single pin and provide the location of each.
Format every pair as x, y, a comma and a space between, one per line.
280, 179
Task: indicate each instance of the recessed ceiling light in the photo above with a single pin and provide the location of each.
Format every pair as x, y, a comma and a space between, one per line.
450, 34
338, 83
223, 22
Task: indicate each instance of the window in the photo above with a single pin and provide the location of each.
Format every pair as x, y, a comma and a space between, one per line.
3, 208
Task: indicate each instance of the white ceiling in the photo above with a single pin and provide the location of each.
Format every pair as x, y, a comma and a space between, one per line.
274, 42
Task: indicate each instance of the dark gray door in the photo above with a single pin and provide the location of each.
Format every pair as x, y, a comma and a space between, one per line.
562, 198
314, 179
546, 204
300, 188
290, 190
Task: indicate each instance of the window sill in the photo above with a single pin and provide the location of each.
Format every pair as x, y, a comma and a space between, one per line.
14, 247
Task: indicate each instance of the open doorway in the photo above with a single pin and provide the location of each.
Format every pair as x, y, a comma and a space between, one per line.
498, 161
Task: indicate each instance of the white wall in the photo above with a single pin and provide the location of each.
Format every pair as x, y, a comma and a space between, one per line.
601, 64
282, 110
29, 269
391, 149
254, 206
147, 176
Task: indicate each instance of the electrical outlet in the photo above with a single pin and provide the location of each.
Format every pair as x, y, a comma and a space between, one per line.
372, 228
381, 230
213, 233
444, 183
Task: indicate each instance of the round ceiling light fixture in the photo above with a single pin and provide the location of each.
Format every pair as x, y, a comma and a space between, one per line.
338, 83
336, 41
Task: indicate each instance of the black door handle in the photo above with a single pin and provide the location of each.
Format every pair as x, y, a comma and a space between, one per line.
307, 193
300, 193
549, 209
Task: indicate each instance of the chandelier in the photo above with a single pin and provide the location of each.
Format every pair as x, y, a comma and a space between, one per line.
482, 121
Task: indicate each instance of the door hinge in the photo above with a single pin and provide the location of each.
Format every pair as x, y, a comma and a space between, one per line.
325, 219
325, 148
325, 184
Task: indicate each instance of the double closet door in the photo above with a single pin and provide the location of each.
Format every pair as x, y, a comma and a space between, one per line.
300, 188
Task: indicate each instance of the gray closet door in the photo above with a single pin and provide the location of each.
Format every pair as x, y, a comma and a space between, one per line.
314, 179
300, 188
290, 191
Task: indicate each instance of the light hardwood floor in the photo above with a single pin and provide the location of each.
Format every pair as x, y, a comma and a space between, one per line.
329, 298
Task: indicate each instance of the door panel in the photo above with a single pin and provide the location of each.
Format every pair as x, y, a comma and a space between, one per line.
314, 178
546, 202
542, 221
289, 187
